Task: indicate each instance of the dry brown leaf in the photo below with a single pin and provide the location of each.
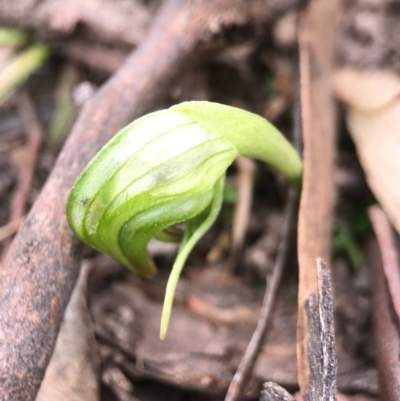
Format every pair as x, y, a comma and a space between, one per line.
72, 374
366, 91
202, 348
376, 135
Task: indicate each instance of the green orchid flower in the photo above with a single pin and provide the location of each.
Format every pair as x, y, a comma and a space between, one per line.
166, 168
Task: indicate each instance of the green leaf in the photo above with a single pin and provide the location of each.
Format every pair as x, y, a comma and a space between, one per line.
12, 37
19, 68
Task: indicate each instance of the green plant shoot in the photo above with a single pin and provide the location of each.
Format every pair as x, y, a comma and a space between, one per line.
19, 68
166, 168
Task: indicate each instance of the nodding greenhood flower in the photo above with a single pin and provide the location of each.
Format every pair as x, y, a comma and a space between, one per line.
165, 168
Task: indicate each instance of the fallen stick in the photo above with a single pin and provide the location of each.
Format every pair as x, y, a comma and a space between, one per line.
316, 48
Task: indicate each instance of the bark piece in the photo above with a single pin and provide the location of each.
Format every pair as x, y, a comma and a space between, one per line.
273, 392
321, 339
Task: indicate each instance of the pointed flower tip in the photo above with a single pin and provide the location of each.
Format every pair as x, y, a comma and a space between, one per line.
147, 271
149, 274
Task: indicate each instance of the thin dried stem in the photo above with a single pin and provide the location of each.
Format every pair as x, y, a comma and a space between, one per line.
248, 360
34, 134
245, 183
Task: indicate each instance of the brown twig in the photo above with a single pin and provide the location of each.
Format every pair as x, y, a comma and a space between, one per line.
41, 267
98, 57
34, 135
385, 274
316, 42
245, 182
247, 362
